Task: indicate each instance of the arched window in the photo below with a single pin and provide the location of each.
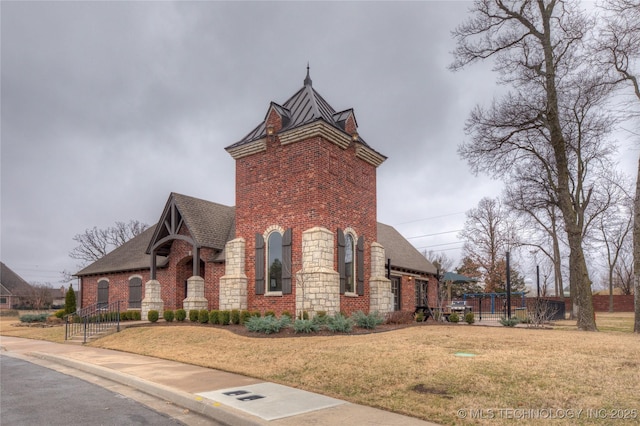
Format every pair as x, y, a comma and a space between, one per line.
135, 292
350, 262
103, 293
349, 265
274, 262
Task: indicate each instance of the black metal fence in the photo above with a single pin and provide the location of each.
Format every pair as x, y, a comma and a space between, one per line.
92, 320
493, 307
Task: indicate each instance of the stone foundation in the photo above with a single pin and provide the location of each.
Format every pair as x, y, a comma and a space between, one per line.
152, 300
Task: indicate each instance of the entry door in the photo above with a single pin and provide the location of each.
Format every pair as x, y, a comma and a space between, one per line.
395, 289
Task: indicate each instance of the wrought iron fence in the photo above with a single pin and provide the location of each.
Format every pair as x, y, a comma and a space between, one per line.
92, 320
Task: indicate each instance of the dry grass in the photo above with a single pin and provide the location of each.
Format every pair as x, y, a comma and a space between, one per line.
415, 371
11, 326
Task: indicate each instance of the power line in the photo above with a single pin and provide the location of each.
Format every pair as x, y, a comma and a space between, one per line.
437, 245
437, 233
432, 217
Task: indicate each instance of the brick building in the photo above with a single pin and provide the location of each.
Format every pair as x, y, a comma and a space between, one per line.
303, 235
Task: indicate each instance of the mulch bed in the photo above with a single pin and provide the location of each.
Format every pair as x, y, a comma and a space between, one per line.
241, 330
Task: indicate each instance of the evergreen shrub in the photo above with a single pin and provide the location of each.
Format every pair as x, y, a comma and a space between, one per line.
181, 315
193, 315
169, 315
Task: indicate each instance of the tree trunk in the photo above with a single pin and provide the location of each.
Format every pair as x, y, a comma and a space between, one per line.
636, 255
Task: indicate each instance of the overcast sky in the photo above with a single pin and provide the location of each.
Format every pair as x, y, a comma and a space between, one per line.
109, 107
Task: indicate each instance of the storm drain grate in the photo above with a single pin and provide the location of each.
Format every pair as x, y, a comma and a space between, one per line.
250, 397
235, 393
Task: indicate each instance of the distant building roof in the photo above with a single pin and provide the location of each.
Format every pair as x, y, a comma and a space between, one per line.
12, 282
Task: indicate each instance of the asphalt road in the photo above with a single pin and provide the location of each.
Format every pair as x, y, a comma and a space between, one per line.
31, 394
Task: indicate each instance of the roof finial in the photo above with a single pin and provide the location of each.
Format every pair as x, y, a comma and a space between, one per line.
307, 80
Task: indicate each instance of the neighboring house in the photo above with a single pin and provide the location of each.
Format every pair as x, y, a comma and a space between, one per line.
303, 235
12, 288
58, 296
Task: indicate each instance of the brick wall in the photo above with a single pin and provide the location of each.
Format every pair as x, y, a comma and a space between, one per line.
172, 279
301, 185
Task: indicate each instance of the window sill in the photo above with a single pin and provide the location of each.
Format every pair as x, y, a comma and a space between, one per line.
348, 294
273, 293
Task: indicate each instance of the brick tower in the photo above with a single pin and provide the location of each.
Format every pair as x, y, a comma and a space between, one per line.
306, 212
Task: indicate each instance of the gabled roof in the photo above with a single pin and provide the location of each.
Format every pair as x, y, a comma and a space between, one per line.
403, 255
209, 224
304, 107
12, 282
130, 256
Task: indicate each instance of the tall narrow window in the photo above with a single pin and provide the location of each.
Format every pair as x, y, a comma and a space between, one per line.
274, 262
103, 293
349, 285
135, 292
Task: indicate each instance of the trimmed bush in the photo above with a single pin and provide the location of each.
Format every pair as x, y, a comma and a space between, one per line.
235, 316
305, 326
214, 316
153, 315
419, 317
60, 314
268, 324
169, 315
370, 321
181, 315
454, 318
29, 318
193, 315
244, 316
124, 316
340, 324
203, 316
509, 322
270, 314
469, 318
225, 317
287, 313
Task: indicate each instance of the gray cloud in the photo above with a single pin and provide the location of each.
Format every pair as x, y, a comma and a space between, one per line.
109, 106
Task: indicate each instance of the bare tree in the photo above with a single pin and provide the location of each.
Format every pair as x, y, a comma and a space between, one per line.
95, 243
538, 50
620, 49
440, 260
38, 296
488, 236
615, 228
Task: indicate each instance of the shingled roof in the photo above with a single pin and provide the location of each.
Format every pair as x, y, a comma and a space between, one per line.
12, 283
209, 223
130, 256
304, 107
403, 255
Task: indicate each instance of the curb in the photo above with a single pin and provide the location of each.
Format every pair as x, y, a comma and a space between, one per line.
183, 399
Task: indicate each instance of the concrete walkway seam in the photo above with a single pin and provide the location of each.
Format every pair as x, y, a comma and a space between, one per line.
180, 398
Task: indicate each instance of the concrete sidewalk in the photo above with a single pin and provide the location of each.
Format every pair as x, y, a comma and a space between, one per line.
224, 397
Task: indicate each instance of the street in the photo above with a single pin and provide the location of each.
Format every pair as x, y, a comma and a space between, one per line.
32, 394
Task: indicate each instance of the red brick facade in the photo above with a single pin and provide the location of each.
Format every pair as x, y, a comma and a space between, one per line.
301, 185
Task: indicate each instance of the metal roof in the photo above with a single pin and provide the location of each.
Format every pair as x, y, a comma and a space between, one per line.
304, 107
